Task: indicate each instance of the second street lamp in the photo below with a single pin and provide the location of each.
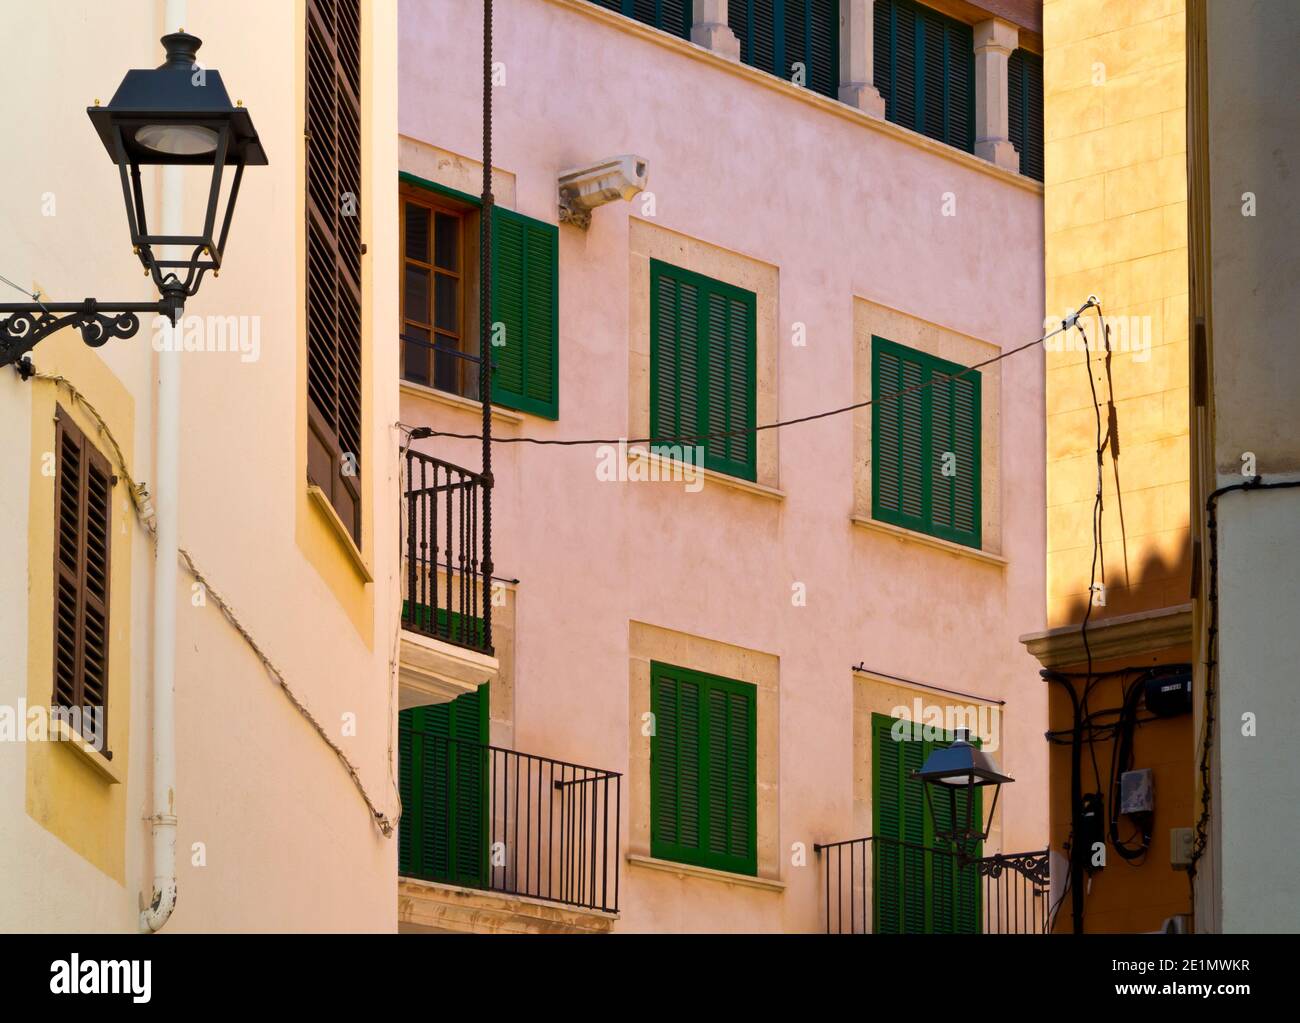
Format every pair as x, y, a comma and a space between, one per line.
177, 114
953, 774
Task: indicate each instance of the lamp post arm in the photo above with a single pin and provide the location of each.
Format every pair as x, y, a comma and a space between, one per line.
24, 325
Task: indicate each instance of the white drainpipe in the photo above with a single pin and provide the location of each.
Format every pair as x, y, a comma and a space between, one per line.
166, 494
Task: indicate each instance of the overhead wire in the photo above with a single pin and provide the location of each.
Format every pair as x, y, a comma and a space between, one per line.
421, 432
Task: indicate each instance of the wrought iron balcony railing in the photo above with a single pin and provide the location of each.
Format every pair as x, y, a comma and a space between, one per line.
499, 820
885, 886
447, 591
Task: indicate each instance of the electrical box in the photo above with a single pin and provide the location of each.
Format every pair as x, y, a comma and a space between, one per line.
1137, 791
1180, 847
1169, 693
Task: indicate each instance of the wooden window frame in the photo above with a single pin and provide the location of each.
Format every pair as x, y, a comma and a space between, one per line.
435, 203
334, 299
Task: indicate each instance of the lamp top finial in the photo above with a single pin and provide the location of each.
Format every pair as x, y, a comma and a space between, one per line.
182, 49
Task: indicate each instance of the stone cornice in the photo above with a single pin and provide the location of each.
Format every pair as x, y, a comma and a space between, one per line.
1109, 638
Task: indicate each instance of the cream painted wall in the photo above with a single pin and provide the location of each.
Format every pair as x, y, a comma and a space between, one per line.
835, 208
289, 843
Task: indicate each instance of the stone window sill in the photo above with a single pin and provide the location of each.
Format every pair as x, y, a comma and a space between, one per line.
706, 873
340, 532
925, 540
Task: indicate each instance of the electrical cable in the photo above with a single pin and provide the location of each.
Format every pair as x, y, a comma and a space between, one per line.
1121, 759
422, 432
1097, 509
33, 295
1201, 836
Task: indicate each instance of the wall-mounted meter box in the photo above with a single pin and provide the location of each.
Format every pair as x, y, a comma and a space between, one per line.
1137, 791
1169, 693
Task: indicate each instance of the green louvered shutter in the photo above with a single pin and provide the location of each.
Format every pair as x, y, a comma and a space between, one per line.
886, 808
1025, 107
525, 303
915, 891
775, 35
915, 860
702, 368
730, 790
955, 906
925, 70
897, 438
955, 432
967, 915
410, 793
925, 443
442, 776
703, 770
673, 16
898, 814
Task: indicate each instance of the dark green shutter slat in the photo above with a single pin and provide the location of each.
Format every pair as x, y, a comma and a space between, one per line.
1025, 109
888, 824
941, 442
968, 909
539, 346
717, 774
936, 412
915, 860
406, 829
703, 368
665, 757
703, 763
443, 783
670, 15
777, 34
966, 446
914, 891
824, 47
925, 70
690, 794
911, 429
525, 295
508, 308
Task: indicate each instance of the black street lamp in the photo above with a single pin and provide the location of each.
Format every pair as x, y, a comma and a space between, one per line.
960, 767
175, 115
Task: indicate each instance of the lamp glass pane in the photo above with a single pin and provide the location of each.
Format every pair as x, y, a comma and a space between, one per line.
177, 139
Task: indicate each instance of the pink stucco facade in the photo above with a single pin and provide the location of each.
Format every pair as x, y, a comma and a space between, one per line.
857, 222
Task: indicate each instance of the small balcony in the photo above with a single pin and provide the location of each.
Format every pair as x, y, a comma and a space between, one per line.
493, 839
878, 885
446, 647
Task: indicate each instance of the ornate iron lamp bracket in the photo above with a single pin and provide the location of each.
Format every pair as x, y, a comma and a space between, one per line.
1035, 866
23, 326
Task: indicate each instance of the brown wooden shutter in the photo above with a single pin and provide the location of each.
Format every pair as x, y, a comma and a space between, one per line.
82, 559
334, 254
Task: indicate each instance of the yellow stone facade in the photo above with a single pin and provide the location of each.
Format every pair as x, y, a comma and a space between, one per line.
1115, 222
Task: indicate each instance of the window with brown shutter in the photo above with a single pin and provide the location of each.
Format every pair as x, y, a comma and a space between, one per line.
334, 254
83, 538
